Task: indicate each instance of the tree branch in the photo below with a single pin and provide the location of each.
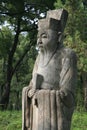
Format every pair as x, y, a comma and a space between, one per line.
15, 39
7, 12
27, 30
11, 53
21, 59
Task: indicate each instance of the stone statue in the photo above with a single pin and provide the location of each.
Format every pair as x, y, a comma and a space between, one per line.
48, 101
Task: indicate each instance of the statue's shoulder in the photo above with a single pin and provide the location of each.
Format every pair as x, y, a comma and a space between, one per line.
68, 53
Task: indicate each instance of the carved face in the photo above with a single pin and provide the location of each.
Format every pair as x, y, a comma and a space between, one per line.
47, 39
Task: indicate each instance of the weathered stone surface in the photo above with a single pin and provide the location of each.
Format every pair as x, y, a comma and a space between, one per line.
48, 101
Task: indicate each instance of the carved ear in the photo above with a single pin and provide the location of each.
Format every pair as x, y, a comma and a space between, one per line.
59, 36
59, 33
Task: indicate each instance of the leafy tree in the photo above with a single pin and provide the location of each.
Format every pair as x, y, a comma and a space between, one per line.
76, 36
21, 16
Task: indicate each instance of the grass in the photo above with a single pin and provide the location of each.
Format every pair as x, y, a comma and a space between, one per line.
79, 121
11, 120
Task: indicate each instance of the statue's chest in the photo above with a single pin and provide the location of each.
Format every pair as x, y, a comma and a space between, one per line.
51, 70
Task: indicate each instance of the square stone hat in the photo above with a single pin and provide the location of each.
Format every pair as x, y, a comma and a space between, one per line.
56, 20
59, 14
49, 23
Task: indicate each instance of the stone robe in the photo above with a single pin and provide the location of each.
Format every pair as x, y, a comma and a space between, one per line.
46, 110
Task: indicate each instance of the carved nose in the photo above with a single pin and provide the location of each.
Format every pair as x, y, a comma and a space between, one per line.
39, 42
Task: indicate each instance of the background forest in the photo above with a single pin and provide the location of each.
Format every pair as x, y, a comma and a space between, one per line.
18, 34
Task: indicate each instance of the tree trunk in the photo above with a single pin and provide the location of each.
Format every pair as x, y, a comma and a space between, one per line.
17, 100
5, 97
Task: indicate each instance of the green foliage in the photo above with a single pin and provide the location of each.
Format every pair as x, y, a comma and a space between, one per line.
82, 23
58, 4
80, 48
76, 31
76, 38
6, 40
28, 12
11, 120
18, 40
79, 121
1, 72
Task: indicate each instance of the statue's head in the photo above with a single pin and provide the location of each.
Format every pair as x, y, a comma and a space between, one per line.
47, 33
51, 28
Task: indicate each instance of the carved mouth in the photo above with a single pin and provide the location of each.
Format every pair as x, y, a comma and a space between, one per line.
40, 45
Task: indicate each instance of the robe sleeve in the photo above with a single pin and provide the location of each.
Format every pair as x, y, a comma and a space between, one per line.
68, 76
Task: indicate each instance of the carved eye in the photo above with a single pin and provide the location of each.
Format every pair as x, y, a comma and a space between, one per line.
44, 35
